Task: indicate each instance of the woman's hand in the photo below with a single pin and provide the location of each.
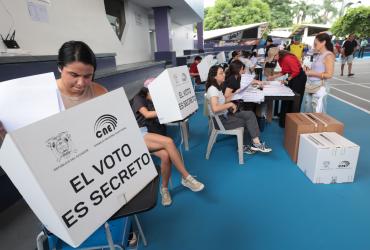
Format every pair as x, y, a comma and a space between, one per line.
233, 107
270, 78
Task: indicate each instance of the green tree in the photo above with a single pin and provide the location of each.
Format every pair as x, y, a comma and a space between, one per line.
281, 13
330, 11
302, 10
218, 16
239, 3
356, 20
236, 12
255, 12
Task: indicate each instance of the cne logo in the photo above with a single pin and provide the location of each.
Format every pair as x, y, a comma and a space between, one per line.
104, 125
343, 164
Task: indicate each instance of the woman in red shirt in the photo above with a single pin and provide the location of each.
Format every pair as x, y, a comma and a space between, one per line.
297, 78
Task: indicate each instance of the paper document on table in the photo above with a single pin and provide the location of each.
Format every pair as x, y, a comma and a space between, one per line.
272, 83
250, 95
273, 90
245, 81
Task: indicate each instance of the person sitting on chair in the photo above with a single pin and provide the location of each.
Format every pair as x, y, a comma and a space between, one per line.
193, 70
230, 117
160, 145
77, 65
232, 85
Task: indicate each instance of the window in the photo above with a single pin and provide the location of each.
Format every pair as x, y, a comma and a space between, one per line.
115, 11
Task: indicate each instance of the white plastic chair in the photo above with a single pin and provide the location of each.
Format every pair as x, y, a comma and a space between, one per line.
238, 132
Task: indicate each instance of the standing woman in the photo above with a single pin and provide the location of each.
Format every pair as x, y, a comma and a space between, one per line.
322, 68
297, 78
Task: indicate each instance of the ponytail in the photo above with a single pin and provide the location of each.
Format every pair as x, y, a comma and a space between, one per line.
325, 37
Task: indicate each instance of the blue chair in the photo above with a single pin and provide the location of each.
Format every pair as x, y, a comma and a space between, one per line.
112, 235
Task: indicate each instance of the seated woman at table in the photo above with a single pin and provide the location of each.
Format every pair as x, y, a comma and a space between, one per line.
77, 65
144, 111
245, 59
160, 145
228, 114
232, 85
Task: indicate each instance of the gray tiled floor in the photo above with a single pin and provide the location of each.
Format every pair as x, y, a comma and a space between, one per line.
356, 89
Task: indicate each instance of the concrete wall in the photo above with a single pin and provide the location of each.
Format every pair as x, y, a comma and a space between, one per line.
77, 20
182, 38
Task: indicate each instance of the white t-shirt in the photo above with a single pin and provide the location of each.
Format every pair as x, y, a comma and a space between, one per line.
213, 91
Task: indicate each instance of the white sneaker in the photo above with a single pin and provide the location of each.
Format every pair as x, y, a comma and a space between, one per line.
192, 184
261, 147
166, 197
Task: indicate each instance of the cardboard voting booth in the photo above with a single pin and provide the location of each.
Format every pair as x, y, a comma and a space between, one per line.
37, 93
327, 157
75, 169
173, 95
221, 58
204, 66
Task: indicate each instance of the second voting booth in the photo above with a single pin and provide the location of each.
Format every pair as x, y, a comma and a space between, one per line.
173, 95
75, 169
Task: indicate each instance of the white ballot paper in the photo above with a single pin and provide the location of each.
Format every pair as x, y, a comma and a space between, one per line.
28, 99
277, 90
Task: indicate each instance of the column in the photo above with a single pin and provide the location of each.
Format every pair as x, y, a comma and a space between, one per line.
162, 21
200, 35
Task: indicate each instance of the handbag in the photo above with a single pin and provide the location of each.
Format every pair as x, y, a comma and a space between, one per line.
313, 88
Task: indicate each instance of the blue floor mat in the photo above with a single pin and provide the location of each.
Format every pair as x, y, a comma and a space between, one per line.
267, 203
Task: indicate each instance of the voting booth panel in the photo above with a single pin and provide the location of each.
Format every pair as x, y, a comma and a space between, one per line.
37, 93
173, 95
327, 157
221, 58
77, 168
204, 66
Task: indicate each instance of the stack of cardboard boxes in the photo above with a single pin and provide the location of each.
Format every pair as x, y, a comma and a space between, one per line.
320, 155
305, 123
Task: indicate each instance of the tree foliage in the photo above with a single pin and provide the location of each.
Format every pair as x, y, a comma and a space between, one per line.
302, 10
356, 20
281, 13
236, 12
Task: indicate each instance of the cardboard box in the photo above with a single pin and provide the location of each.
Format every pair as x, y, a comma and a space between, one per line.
327, 157
303, 123
75, 169
173, 95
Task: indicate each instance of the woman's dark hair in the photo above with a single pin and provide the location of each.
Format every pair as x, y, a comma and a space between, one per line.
143, 92
212, 73
325, 37
76, 51
246, 54
234, 69
198, 58
234, 54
